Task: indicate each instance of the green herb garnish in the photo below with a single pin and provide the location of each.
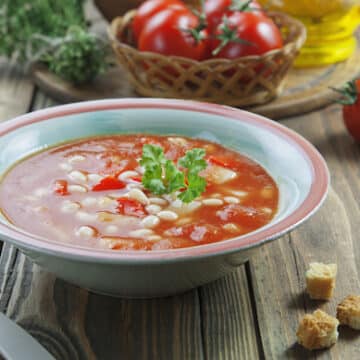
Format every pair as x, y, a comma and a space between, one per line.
163, 176
55, 33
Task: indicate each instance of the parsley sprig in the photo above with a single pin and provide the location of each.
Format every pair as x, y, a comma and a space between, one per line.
163, 176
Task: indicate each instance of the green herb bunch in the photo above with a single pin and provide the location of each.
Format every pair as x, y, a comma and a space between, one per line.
163, 176
53, 32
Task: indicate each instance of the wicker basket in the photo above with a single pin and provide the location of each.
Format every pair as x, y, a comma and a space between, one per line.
245, 81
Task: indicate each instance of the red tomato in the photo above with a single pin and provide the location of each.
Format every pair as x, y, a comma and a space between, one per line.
351, 108
131, 207
169, 32
109, 183
147, 10
61, 187
247, 33
216, 9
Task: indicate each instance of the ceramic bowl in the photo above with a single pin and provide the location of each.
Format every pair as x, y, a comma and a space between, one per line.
298, 169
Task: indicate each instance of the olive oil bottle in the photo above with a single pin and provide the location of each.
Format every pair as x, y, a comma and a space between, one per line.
330, 28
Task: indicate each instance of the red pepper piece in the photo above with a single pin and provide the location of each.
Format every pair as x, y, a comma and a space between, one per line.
109, 183
136, 178
130, 207
61, 187
221, 161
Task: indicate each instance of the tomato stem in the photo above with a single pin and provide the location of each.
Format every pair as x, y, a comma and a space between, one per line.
349, 93
240, 5
227, 36
197, 32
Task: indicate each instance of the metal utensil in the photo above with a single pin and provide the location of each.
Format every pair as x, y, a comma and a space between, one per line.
17, 344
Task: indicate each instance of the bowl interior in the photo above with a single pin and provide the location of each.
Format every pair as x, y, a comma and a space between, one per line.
286, 162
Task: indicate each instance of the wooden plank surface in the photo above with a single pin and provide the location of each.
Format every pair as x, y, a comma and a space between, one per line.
16, 91
330, 236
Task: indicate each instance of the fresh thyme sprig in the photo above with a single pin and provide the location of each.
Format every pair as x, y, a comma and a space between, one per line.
53, 32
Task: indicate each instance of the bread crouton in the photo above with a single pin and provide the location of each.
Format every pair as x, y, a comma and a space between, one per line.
317, 330
320, 280
348, 311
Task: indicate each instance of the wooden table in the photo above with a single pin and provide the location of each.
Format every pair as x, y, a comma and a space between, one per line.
250, 314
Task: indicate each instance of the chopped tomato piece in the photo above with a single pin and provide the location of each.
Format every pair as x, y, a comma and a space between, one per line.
136, 178
109, 183
196, 232
61, 187
130, 207
222, 161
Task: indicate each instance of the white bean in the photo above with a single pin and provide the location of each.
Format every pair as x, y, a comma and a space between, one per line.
167, 215
153, 209
105, 201
231, 200
111, 229
239, 193
89, 201
157, 201
94, 178
105, 216
124, 176
192, 206
150, 221
133, 186
177, 203
77, 188
65, 166
138, 195
219, 174
178, 141
154, 238
76, 158
141, 233
171, 197
85, 232
77, 176
231, 227
212, 202
183, 221
69, 207
84, 216
116, 194
266, 210
163, 244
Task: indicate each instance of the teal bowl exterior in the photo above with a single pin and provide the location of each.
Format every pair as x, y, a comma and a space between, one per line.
298, 169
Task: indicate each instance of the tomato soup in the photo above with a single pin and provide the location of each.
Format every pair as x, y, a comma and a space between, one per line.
90, 193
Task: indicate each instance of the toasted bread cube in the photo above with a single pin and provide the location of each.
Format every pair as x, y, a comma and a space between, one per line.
317, 330
320, 280
348, 311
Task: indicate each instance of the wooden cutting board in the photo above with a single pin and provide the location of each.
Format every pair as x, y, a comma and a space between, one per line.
305, 89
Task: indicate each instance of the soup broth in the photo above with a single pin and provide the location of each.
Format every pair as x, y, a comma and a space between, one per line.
90, 192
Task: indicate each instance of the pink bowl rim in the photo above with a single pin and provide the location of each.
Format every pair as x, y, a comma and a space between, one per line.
316, 196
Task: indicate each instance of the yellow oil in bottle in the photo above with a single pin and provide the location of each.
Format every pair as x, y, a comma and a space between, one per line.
330, 28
